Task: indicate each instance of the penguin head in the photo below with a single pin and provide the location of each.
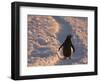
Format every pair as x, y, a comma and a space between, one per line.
69, 36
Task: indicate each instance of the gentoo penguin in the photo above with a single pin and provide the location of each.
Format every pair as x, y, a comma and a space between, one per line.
67, 47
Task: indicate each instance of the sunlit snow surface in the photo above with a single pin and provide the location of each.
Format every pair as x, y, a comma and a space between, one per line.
47, 33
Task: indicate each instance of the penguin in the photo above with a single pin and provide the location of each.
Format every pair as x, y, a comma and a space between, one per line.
67, 47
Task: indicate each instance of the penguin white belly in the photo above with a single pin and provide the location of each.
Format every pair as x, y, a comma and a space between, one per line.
72, 51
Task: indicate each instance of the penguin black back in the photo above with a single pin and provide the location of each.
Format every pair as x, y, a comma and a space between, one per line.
66, 47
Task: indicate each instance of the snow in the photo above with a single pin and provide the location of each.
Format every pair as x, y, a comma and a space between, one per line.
47, 33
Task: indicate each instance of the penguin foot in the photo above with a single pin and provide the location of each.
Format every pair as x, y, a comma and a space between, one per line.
70, 58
